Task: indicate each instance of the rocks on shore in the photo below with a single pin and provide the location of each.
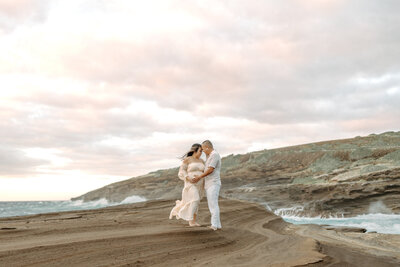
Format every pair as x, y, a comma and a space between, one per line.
340, 177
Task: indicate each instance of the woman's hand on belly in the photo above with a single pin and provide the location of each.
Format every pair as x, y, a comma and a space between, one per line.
193, 174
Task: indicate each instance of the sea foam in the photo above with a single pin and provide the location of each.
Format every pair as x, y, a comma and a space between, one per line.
20, 208
377, 222
133, 199
380, 218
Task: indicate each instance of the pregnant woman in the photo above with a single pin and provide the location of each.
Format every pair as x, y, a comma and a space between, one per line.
192, 166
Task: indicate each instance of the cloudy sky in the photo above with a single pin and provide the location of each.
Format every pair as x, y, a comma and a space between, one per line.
93, 92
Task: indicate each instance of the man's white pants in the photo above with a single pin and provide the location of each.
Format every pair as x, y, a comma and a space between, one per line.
212, 200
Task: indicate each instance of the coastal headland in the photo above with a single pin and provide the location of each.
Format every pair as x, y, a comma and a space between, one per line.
345, 177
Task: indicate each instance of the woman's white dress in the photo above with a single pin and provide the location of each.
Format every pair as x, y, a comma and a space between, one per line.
191, 193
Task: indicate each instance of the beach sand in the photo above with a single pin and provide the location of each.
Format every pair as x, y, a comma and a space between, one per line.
142, 235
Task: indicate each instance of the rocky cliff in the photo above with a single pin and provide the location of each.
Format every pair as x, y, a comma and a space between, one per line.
350, 176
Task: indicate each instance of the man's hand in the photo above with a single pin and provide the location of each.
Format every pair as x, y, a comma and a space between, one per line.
195, 179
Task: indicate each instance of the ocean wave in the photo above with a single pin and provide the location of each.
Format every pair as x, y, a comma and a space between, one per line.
95, 203
133, 199
376, 222
19, 208
289, 212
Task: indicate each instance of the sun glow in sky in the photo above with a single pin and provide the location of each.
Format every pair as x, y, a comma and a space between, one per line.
93, 92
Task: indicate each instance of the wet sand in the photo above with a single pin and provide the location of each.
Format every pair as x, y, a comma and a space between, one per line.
141, 235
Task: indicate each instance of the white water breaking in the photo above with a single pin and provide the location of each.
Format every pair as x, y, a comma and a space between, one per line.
378, 222
379, 207
133, 199
380, 219
20, 208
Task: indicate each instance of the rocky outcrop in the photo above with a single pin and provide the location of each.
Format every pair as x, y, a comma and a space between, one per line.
349, 176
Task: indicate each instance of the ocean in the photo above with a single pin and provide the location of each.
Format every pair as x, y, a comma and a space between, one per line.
20, 208
374, 222
380, 223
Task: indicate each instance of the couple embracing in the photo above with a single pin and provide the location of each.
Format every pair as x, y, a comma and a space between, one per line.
199, 176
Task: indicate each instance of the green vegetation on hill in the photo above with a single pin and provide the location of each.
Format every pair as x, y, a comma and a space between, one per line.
330, 177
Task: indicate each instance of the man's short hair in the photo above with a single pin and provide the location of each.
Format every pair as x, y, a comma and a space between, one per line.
208, 144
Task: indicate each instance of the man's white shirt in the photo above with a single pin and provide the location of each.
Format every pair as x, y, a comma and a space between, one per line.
213, 160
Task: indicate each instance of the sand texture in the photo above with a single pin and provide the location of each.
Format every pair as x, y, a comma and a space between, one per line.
141, 235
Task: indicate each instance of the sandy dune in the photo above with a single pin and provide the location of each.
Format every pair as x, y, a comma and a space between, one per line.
141, 235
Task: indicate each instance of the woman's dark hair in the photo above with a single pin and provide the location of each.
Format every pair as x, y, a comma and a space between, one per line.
193, 149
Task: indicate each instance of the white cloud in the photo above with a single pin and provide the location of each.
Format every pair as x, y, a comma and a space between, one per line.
392, 91
120, 88
48, 154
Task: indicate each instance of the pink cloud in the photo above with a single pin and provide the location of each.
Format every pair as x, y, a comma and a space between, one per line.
119, 91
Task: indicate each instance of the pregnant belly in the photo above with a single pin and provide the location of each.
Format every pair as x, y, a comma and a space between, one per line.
195, 173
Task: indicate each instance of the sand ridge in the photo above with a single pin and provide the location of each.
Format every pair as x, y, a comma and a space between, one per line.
142, 235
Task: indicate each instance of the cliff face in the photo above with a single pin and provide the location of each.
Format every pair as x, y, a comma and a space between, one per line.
349, 177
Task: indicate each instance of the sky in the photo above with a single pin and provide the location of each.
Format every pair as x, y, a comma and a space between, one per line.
94, 92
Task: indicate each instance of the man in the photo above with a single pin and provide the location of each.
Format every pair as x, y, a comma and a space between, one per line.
212, 183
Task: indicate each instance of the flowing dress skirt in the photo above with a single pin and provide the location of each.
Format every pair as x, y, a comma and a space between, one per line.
189, 205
